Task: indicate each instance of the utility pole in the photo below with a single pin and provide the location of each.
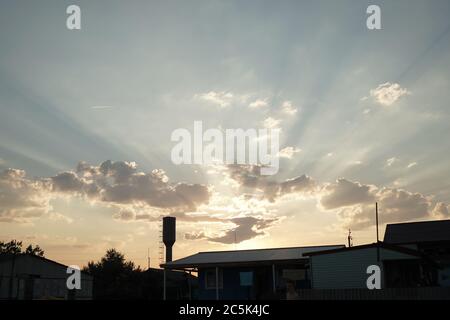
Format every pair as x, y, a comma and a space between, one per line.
378, 239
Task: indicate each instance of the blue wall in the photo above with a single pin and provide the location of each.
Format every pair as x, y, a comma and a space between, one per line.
231, 286
233, 290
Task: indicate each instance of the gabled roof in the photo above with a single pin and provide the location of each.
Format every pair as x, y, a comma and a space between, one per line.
245, 257
417, 232
8, 256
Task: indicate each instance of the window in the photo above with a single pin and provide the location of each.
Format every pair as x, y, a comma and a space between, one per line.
210, 279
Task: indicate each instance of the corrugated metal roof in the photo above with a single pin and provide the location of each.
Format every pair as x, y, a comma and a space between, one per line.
416, 232
247, 256
387, 246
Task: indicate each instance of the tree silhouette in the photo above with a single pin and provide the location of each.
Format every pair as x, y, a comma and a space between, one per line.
15, 247
114, 277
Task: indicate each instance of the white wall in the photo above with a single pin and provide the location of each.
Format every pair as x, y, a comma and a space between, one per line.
347, 269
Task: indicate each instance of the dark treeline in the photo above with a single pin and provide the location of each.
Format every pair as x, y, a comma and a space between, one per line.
15, 247
116, 278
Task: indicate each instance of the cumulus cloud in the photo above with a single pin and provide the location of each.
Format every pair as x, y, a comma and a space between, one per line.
258, 103
222, 99
246, 228
22, 199
441, 211
271, 123
120, 182
346, 193
355, 203
248, 176
388, 93
67, 182
288, 108
147, 196
113, 183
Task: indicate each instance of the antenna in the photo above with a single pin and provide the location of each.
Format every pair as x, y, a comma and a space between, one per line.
378, 239
148, 258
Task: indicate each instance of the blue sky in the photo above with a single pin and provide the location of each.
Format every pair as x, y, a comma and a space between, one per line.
136, 71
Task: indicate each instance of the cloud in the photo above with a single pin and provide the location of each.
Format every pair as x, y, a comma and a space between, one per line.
388, 93
147, 196
121, 183
195, 217
288, 152
111, 183
125, 214
250, 177
400, 205
22, 199
355, 203
222, 99
391, 161
259, 103
67, 182
441, 211
246, 228
288, 108
412, 164
345, 193
271, 123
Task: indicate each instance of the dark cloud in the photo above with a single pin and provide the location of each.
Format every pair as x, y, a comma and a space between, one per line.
346, 193
356, 203
67, 182
128, 214
121, 183
246, 228
116, 183
249, 176
195, 217
22, 199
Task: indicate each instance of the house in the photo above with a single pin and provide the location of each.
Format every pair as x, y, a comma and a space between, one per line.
429, 237
30, 277
346, 268
249, 274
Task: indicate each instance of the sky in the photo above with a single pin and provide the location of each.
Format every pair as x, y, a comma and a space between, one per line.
87, 117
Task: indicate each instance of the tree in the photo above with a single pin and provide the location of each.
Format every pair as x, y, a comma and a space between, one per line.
114, 277
15, 247
36, 251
